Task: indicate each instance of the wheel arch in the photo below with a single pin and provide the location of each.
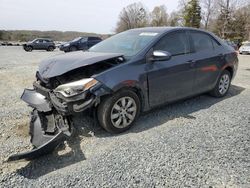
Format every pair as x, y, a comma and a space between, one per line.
230, 70
137, 90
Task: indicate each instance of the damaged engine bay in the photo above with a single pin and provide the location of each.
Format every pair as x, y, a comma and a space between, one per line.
57, 98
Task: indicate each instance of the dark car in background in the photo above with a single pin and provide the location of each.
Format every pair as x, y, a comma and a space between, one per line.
123, 76
39, 44
80, 43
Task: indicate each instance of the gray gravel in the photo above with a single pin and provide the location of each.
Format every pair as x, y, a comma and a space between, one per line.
200, 142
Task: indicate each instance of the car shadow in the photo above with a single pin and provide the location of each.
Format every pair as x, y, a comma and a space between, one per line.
87, 127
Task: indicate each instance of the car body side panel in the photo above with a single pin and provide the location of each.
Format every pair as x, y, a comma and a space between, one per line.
170, 80
207, 66
131, 74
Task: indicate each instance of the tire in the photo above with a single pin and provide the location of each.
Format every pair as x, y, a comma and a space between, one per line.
72, 49
28, 48
222, 85
50, 48
124, 106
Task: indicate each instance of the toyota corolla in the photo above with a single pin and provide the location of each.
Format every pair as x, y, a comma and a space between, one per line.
123, 76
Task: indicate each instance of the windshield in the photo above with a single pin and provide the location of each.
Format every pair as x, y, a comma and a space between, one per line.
33, 40
76, 39
128, 43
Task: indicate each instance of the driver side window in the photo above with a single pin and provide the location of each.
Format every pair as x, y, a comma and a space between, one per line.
83, 40
175, 43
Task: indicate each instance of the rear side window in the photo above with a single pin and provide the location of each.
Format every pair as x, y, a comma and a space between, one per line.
175, 43
203, 42
94, 38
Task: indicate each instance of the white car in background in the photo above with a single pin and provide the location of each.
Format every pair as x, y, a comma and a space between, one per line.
245, 48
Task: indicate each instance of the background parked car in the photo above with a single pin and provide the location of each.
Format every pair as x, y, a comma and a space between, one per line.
6, 44
80, 43
245, 48
39, 44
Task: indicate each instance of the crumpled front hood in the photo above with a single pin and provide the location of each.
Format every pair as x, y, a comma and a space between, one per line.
61, 64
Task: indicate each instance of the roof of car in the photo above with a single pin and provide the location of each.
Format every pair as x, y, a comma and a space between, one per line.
89, 36
44, 38
163, 29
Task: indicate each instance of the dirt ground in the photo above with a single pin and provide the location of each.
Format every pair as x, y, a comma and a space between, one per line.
199, 142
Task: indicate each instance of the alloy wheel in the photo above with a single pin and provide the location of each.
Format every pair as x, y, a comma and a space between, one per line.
224, 84
123, 112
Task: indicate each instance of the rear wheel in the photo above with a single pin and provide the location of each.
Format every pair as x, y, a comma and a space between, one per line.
222, 85
118, 112
50, 48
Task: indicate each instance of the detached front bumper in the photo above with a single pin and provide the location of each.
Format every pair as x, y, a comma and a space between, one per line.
51, 117
47, 128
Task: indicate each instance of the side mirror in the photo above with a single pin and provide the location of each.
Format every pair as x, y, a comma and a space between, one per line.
159, 55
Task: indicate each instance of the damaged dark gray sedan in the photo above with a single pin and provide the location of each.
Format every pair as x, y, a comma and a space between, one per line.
121, 77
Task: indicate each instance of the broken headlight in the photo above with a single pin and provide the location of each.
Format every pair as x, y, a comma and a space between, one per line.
74, 88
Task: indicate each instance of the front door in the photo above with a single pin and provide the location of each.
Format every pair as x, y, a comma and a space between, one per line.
172, 79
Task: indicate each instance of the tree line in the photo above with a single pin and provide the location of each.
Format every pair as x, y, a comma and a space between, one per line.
27, 35
229, 19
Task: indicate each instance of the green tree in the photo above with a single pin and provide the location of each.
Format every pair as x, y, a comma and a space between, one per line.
192, 14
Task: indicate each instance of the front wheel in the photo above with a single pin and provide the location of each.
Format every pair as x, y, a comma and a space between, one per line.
222, 85
28, 48
118, 112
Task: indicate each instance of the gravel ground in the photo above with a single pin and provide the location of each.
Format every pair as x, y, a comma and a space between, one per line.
200, 142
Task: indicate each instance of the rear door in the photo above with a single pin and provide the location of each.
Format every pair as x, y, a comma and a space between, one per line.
173, 79
38, 44
208, 55
46, 44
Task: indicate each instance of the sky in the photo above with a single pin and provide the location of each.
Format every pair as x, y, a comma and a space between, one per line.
68, 15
